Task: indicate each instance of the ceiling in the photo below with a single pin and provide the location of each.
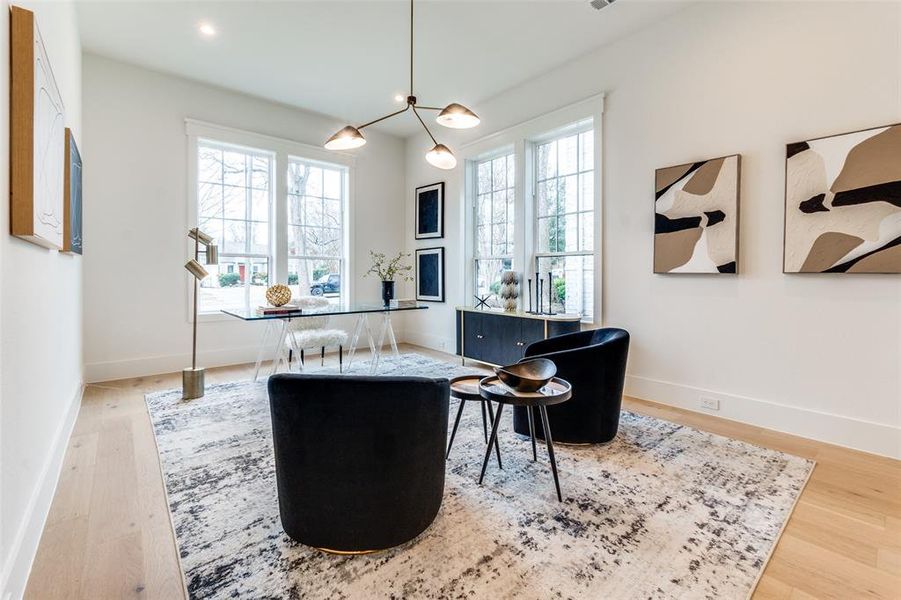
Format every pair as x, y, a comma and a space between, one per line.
349, 59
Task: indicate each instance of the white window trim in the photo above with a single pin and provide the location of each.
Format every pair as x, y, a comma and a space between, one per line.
345, 214
521, 137
282, 148
472, 165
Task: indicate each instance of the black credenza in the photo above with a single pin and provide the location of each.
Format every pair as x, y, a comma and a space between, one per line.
500, 338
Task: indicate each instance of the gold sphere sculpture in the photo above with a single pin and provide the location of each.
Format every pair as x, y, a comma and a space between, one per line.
278, 295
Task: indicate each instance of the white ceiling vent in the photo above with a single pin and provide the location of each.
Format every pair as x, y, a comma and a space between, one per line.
599, 4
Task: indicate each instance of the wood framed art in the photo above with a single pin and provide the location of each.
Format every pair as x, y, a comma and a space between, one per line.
430, 274
696, 215
843, 203
37, 137
430, 211
72, 215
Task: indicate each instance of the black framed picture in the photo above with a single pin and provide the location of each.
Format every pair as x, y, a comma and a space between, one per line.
430, 274
430, 211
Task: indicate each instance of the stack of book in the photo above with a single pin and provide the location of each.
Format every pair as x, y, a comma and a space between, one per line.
277, 310
402, 303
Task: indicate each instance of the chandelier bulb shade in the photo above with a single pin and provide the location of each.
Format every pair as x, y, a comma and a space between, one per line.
346, 139
457, 116
441, 157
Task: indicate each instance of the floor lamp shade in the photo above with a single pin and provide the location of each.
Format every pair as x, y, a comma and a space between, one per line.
196, 269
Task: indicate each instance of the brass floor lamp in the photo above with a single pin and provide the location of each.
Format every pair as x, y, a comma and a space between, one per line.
192, 379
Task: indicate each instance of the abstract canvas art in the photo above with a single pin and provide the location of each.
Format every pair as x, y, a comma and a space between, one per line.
430, 274
843, 203
72, 203
37, 137
696, 217
430, 211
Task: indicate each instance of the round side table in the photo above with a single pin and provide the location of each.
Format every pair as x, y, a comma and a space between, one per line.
556, 391
466, 389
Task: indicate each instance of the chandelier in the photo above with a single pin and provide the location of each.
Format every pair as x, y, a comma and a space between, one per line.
454, 115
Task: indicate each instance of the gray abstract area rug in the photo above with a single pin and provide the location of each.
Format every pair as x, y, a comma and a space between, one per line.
663, 511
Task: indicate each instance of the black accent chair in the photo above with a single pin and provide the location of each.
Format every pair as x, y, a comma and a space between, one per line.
594, 362
359, 461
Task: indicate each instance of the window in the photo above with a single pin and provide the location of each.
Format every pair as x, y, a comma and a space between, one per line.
316, 240
234, 206
533, 194
494, 223
279, 212
564, 219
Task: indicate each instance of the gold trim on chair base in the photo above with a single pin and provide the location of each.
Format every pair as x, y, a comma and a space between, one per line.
350, 552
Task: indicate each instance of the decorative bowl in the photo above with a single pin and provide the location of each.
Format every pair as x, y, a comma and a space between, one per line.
528, 375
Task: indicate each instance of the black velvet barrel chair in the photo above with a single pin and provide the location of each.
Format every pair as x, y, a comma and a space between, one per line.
594, 362
359, 461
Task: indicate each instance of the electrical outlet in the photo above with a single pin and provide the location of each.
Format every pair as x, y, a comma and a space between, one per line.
709, 403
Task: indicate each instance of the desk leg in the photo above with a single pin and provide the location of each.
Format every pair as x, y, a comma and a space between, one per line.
354, 340
377, 350
391, 336
280, 348
262, 352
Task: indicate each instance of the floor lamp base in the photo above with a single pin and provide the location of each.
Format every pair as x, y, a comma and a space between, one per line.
192, 383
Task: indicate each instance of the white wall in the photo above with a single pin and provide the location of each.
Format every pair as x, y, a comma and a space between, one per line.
40, 328
815, 355
136, 217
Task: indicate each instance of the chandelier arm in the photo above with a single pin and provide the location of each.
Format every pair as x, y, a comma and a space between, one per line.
411, 47
415, 112
394, 114
419, 106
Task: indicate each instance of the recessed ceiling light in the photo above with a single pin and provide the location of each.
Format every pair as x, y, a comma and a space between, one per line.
399, 98
206, 29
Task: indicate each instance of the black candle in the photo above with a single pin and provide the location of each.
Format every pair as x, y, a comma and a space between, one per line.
530, 294
550, 294
540, 297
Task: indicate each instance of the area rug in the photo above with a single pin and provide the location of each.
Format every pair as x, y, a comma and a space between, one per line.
663, 511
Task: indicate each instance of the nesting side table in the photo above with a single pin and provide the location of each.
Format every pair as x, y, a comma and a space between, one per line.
556, 391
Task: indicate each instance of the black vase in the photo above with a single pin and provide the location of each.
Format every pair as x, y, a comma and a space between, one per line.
387, 292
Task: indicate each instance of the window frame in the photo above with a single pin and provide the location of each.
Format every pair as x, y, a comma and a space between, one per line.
522, 138
249, 257
344, 259
474, 256
573, 129
282, 148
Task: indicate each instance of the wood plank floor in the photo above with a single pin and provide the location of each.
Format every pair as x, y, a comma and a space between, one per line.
108, 535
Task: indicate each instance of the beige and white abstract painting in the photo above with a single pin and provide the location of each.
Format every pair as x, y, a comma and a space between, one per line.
696, 217
843, 203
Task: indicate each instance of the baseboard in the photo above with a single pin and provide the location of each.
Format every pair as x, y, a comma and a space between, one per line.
169, 363
428, 340
868, 436
25, 543
172, 363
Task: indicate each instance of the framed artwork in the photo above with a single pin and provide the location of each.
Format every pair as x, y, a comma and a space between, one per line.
430, 274
37, 137
843, 203
696, 213
72, 201
430, 211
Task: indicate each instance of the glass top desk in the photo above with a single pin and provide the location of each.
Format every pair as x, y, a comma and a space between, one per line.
277, 330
